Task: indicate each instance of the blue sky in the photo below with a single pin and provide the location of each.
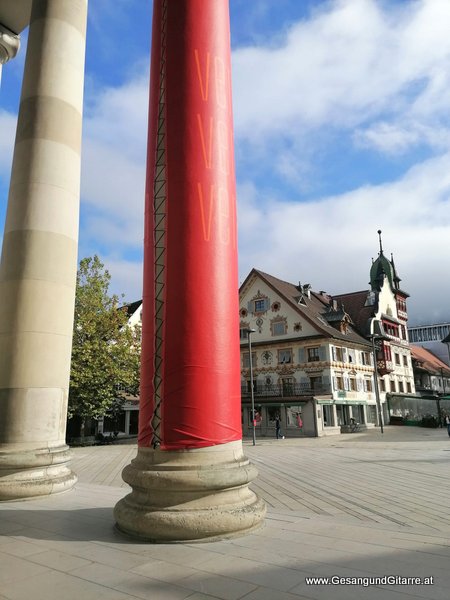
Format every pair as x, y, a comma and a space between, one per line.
342, 127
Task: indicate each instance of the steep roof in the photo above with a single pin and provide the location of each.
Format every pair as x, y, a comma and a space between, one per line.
312, 306
357, 306
427, 361
132, 307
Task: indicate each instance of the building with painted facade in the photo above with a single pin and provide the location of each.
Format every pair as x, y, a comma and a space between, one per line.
310, 366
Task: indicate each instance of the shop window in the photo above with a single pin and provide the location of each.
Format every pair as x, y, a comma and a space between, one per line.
328, 417
273, 412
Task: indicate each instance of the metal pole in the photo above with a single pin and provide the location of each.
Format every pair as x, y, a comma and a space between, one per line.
377, 391
252, 393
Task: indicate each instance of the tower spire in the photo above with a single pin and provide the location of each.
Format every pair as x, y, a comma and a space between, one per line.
379, 237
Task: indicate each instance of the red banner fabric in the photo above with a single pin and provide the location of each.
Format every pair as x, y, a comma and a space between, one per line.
190, 392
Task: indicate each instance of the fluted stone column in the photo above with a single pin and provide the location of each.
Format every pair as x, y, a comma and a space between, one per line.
39, 256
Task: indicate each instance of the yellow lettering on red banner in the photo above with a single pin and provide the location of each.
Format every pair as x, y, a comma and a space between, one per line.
204, 84
206, 212
207, 151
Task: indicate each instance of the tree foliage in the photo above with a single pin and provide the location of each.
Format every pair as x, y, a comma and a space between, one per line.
105, 351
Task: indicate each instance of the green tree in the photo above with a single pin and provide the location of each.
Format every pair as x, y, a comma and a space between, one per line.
105, 351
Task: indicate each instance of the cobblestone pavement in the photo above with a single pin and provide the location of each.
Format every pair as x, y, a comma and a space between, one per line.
361, 505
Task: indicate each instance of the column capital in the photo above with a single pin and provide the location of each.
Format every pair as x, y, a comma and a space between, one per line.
9, 44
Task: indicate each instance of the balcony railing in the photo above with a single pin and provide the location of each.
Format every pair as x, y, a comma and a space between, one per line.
287, 390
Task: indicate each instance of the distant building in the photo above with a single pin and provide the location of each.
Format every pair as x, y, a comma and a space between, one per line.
431, 338
431, 374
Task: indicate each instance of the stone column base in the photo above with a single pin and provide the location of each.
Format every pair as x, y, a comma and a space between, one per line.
30, 473
190, 495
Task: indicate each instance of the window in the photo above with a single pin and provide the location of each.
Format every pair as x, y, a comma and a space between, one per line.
243, 332
246, 360
328, 420
408, 387
273, 412
371, 414
352, 384
337, 353
367, 385
285, 356
397, 358
313, 354
390, 329
365, 358
260, 306
279, 328
382, 385
315, 383
288, 386
405, 360
339, 382
400, 387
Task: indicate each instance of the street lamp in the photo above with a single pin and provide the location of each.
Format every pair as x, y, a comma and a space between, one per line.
252, 393
379, 335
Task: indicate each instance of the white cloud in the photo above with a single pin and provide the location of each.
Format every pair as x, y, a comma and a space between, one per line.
113, 169
353, 61
330, 242
374, 70
126, 277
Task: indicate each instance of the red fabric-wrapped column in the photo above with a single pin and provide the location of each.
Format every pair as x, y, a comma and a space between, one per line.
190, 392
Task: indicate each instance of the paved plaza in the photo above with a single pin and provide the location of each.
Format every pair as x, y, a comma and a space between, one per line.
361, 505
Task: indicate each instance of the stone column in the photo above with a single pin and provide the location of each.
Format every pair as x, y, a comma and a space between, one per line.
39, 256
190, 478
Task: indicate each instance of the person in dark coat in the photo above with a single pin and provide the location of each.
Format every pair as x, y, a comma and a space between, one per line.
278, 428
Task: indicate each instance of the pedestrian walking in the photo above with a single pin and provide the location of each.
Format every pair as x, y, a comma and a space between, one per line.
278, 428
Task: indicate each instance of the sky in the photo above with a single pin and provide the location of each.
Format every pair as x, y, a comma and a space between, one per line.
342, 127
